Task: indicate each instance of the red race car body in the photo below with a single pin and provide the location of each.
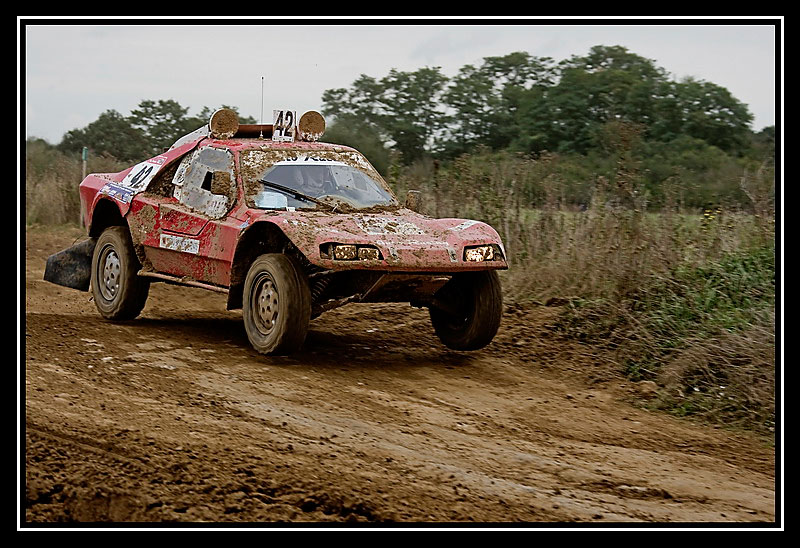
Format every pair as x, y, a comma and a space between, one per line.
205, 211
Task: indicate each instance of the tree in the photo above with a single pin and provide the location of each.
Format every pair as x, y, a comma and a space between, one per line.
763, 144
532, 104
609, 83
356, 133
110, 134
162, 123
413, 116
703, 110
361, 101
403, 108
486, 100
149, 130
202, 117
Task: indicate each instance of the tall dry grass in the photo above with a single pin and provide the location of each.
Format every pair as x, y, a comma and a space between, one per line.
51, 183
682, 298
609, 248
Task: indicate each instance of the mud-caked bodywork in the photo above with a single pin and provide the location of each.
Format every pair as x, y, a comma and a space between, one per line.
288, 229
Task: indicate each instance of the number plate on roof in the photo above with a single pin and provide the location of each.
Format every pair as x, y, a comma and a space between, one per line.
283, 125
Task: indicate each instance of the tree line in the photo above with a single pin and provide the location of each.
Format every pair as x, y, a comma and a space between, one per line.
602, 113
609, 113
530, 104
147, 131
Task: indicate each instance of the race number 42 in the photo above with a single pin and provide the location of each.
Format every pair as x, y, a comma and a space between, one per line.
283, 125
142, 173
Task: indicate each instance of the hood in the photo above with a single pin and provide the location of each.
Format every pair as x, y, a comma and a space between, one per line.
406, 240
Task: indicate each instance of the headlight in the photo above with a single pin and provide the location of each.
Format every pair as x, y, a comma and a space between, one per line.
345, 252
368, 253
349, 252
480, 253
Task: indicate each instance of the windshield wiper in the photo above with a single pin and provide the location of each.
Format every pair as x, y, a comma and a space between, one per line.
294, 193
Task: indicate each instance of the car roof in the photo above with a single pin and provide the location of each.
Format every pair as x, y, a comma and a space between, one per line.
250, 143
255, 137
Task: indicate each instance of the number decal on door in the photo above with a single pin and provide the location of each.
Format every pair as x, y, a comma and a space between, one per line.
141, 174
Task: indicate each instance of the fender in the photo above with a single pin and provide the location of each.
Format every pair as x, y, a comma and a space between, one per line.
261, 236
121, 187
407, 241
109, 196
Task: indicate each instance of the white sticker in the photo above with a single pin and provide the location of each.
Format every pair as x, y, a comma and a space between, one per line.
142, 173
307, 160
266, 199
179, 243
464, 225
283, 125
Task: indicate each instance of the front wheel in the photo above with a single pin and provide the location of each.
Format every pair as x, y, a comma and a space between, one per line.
118, 292
276, 305
466, 311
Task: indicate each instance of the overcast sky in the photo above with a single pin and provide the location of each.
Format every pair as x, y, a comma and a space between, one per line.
75, 70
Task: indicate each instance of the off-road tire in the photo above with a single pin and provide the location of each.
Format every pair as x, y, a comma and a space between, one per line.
472, 305
276, 305
119, 294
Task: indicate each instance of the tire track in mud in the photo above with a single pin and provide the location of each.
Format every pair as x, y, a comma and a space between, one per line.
532, 470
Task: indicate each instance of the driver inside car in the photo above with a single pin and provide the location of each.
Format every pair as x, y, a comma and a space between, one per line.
297, 179
316, 184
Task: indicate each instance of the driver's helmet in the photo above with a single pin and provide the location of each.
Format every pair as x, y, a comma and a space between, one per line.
315, 178
297, 178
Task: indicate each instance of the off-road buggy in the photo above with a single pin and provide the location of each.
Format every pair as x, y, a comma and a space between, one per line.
286, 226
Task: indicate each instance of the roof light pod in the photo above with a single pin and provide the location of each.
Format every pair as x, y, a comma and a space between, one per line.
224, 123
311, 126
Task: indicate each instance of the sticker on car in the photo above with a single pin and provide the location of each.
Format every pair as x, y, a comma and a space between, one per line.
120, 193
142, 173
180, 243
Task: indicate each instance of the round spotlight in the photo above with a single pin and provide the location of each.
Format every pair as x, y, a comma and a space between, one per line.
224, 124
311, 126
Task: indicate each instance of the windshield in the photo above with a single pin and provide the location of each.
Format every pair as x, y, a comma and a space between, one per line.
285, 179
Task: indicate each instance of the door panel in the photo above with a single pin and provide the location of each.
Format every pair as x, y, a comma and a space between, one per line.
190, 235
178, 219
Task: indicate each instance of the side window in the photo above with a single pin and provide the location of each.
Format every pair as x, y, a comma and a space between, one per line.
161, 185
204, 182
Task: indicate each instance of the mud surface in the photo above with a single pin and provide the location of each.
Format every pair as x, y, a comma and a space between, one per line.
174, 418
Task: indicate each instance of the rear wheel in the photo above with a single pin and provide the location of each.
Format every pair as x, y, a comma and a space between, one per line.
466, 311
119, 294
276, 305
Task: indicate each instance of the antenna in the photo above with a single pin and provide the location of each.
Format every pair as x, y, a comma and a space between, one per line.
261, 131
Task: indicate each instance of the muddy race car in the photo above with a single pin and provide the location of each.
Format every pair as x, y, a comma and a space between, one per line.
288, 227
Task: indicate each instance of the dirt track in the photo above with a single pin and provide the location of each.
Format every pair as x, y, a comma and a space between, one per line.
173, 417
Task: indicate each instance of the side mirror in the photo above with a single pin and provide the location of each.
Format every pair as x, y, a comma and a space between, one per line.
414, 200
